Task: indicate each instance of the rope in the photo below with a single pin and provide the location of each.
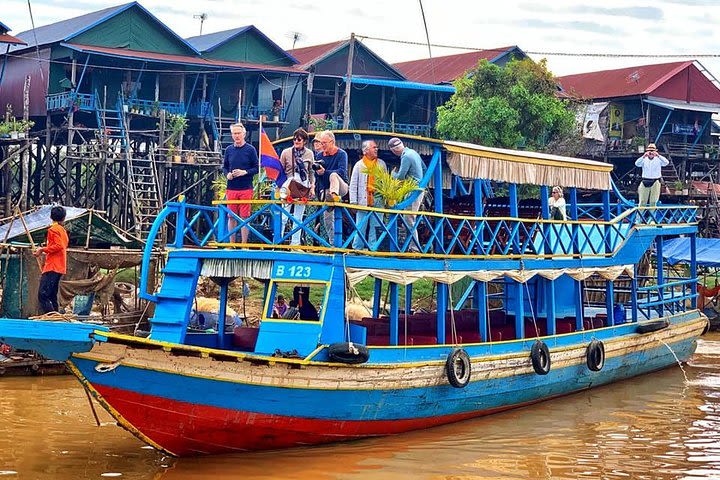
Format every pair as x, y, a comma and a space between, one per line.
55, 317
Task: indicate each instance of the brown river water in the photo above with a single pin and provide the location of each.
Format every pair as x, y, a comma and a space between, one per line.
665, 425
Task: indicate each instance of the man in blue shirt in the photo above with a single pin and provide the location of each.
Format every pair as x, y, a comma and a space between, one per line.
411, 166
240, 165
331, 173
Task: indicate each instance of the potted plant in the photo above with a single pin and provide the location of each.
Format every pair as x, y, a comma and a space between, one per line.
391, 190
639, 143
176, 125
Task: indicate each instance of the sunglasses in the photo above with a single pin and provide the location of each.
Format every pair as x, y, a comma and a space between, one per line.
297, 139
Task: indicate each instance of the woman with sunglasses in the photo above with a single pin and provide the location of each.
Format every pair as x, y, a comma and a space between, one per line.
296, 161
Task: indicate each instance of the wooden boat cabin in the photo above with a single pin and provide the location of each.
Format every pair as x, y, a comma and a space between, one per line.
493, 263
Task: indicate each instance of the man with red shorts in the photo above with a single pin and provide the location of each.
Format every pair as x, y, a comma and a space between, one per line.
240, 165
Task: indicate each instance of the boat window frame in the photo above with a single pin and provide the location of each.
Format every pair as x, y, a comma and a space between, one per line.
272, 291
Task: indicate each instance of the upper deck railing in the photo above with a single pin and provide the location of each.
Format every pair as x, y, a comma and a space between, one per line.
399, 231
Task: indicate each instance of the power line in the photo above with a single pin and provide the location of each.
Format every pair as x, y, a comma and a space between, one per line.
548, 53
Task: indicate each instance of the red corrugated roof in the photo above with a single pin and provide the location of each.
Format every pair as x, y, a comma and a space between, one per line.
180, 59
5, 38
448, 68
622, 82
309, 55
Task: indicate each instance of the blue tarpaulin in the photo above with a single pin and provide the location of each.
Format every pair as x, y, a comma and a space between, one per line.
677, 251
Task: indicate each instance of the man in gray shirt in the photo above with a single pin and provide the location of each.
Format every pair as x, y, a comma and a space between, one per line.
411, 166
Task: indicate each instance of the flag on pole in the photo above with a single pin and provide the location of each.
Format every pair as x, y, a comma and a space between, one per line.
270, 161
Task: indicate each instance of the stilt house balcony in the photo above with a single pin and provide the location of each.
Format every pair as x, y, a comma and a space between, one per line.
151, 108
85, 102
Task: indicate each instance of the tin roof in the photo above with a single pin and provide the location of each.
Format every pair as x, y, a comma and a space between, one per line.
177, 59
65, 30
448, 68
211, 41
308, 56
623, 82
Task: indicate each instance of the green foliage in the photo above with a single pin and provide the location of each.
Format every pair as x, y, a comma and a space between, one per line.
176, 125
391, 190
506, 107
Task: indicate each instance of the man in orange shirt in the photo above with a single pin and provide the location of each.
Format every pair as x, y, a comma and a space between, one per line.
55, 261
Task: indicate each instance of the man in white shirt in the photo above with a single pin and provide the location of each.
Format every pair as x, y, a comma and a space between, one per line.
651, 163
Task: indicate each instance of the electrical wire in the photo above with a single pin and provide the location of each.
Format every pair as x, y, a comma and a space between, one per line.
549, 53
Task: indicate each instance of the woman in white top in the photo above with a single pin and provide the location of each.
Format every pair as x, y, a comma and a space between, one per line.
557, 204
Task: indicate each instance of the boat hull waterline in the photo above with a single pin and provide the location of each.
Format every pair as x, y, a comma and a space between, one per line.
187, 404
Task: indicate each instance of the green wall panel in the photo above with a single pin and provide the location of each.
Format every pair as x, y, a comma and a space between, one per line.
252, 48
135, 30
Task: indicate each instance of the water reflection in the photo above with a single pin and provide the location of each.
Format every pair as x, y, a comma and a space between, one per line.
656, 427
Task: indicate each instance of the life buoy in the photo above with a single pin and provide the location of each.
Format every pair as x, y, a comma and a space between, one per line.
540, 356
595, 355
348, 352
457, 368
653, 326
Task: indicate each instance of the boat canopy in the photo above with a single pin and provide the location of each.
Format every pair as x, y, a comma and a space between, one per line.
470, 161
404, 277
677, 251
467, 160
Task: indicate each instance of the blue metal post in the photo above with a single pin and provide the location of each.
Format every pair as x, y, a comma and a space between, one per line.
660, 273
394, 314
633, 295
579, 305
481, 292
480, 288
438, 196
377, 293
408, 298
693, 270
545, 213
180, 225
609, 287
519, 296
442, 301
550, 305
221, 314
662, 129
337, 227
277, 220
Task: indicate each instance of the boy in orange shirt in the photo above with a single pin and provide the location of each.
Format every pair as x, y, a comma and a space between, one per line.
55, 261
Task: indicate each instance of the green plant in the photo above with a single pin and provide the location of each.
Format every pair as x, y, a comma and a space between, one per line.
678, 185
390, 189
638, 141
176, 125
5, 128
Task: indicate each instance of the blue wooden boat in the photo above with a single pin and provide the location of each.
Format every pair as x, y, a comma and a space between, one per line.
517, 319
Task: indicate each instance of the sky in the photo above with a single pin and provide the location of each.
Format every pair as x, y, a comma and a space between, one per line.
684, 27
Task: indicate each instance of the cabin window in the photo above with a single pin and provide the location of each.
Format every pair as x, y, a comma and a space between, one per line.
295, 301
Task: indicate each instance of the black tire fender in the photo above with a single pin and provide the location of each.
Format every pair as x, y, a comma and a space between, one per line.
652, 326
348, 352
595, 355
540, 356
458, 368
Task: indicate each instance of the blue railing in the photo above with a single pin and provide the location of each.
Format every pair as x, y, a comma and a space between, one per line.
670, 297
422, 232
152, 108
420, 129
253, 112
67, 100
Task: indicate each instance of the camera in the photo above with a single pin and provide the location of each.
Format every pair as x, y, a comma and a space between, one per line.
317, 165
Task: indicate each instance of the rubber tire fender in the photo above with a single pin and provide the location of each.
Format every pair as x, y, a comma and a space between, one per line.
458, 368
595, 355
350, 353
540, 356
653, 326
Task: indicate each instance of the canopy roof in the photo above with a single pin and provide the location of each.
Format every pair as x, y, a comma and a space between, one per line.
472, 161
677, 251
103, 234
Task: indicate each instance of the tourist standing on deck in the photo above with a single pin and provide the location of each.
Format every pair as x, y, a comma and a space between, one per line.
240, 165
55, 261
362, 192
331, 170
297, 161
557, 205
651, 163
411, 166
